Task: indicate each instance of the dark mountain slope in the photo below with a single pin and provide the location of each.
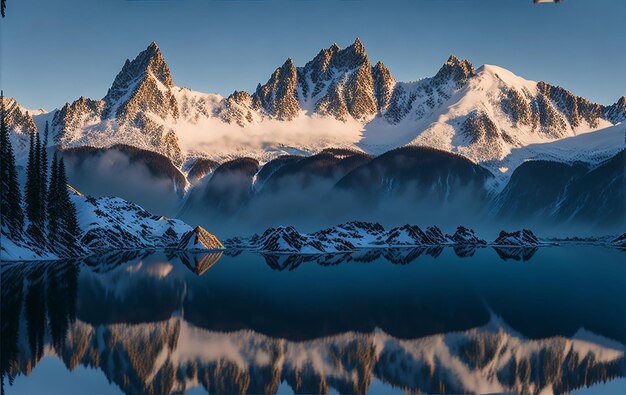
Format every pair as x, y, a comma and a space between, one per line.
534, 188
328, 165
143, 177
598, 197
420, 171
226, 191
561, 193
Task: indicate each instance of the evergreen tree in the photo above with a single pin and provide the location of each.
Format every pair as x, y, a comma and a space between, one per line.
43, 182
52, 205
11, 214
33, 189
69, 228
29, 189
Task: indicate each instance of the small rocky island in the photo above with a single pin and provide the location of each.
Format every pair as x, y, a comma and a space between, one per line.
355, 234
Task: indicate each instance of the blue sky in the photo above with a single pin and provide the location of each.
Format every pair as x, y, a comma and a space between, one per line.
56, 51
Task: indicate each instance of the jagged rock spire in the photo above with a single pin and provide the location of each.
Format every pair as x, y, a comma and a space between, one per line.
148, 62
278, 96
616, 113
358, 46
458, 70
383, 85
141, 92
352, 56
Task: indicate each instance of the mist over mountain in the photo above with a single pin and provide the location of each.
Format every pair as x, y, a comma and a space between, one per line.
341, 139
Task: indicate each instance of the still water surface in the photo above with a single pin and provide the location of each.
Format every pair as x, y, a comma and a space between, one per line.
376, 321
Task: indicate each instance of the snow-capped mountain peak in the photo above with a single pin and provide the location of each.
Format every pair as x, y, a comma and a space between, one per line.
339, 100
140, 109
149, 63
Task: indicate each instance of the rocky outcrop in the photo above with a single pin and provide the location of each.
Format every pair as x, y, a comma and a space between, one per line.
576, 109
456, 70
518, 245
199, 239
616, 113
113, 224
237, 108
412, 235
465, 236
351, 236
356, 233
522, 237
483, 134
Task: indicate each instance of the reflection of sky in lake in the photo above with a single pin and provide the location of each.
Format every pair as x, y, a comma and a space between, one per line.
369, 322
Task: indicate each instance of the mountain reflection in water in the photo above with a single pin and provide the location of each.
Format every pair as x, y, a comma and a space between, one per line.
420, 320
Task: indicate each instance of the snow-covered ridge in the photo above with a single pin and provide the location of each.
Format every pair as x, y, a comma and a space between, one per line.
355, 235
114, 224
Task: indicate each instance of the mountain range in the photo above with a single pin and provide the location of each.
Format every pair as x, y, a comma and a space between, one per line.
342, 119
481, 113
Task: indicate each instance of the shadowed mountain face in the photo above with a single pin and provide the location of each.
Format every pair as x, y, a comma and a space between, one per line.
568, 193
410, 184
428, 172
335, 184
330, 165
165, 323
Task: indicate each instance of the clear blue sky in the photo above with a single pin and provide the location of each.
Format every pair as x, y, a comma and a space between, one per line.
54, 51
